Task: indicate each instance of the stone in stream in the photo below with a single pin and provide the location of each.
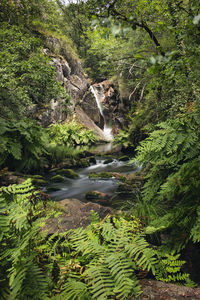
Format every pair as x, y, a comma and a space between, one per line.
102, 175
123, 158
57, 178
96, 196
68, 173
75, 213
92, 160
108, 161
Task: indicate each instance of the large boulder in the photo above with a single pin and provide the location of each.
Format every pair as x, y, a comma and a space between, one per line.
84, 119
75, 213
69, 73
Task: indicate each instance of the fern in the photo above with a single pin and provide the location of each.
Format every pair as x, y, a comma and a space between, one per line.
144, 256
75, 290
171, 155
100, 280
170, 270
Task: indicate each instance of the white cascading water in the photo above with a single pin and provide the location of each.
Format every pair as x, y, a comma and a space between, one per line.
106, 130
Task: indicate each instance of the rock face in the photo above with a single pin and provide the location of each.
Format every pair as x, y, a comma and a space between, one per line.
89, 106
112, 105
70, 74
75, 214
84, 119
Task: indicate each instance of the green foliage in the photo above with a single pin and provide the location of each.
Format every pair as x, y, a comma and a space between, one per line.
23, 145
97, 262
171, 155
71, 134
22, 277
27, 78
171, 269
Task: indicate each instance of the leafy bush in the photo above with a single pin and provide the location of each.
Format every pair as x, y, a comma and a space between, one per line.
23, 145
27, 78
171, 155
71, 134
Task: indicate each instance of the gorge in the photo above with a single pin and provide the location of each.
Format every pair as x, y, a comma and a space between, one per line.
99, 149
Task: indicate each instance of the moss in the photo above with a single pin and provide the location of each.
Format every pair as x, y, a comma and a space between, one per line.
37, 176
103, 175
39, 182
96, 195
82, 163
124, 158
69, 173
57, 178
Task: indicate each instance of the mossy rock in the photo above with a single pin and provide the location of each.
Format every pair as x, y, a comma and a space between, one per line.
69, 173
123, 158
52, 189
67, 163
103, 175
97, 197
92, 160
108, 161
37, 177
82, 163
124, 188
39, 182
57, 178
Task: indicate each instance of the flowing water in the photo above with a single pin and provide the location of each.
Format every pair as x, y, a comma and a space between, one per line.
99, 97
76, 188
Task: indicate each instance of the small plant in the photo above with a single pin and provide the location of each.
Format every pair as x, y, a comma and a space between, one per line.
71, 134
170, 270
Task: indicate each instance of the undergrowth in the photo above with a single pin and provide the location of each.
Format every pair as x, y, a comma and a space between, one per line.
101, 261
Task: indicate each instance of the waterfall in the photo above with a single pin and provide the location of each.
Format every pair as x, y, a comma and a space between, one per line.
106, 130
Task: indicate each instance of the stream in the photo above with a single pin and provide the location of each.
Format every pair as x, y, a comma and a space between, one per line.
77, 188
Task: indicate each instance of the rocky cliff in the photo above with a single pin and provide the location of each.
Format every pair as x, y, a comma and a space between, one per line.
70, 74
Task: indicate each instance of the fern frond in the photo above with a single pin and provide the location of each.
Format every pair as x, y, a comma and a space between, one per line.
75, 290
100, 280
144, 256
122, 269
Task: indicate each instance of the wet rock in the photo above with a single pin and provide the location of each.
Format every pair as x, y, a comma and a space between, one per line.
108, 161
89, 105
67, 163
96, 196
84, 119
68, 173
39, 182
36, 176
124, 158
57, 178
82, 163
12, 179
113, 106
119, 176
103, 175
52, 189
136, 179
75, 214
92, 160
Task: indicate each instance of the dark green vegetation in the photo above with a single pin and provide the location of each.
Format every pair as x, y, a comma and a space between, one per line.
151, 49
28, 83
99, 261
